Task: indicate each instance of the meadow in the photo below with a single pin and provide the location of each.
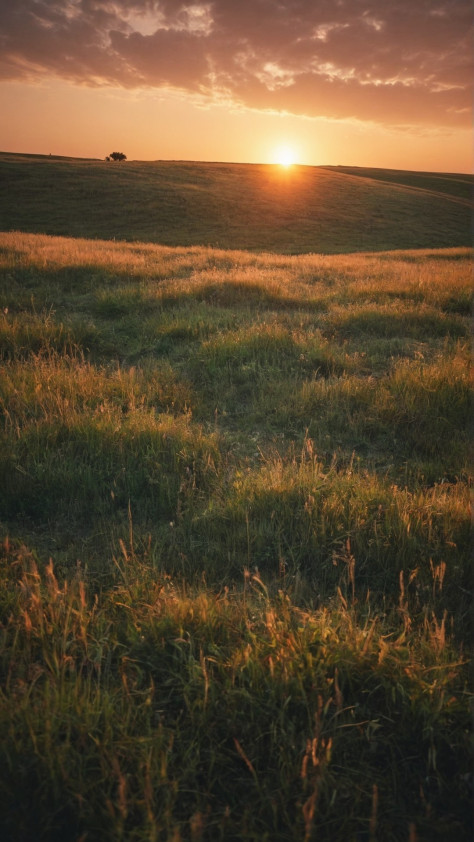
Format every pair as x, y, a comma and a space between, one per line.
236, 206
235, 568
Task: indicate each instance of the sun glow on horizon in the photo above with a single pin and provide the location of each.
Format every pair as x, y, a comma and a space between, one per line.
285, 156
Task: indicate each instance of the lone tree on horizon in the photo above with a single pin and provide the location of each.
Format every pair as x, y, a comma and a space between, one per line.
116, 156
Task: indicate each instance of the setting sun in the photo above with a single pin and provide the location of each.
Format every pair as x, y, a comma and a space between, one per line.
285, 156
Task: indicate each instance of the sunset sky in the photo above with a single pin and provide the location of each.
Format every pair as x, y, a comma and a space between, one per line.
383, 83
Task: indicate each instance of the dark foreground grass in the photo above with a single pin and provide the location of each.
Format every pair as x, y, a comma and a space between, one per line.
155, 712
235, 594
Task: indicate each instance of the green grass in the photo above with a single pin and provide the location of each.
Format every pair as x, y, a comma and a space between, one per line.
235, 570
155, 713
236, 206
456, 185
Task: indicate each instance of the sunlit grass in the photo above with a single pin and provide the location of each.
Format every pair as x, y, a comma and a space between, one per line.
236, 565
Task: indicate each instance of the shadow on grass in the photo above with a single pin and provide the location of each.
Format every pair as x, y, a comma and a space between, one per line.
92, 468
415, 324
235, 294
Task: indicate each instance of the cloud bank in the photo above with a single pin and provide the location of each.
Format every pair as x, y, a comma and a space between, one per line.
397, 62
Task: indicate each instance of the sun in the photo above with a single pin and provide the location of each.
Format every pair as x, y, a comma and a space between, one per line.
285, 156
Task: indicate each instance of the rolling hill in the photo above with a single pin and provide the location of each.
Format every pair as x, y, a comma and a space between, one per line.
236, 206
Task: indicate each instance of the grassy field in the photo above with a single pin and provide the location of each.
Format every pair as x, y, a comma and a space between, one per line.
235, 562
456, 185
236, 206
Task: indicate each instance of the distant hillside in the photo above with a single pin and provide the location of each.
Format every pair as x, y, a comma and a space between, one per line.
453, 185
237, 206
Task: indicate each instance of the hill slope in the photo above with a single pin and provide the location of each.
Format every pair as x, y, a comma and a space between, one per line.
457, 186
238, 206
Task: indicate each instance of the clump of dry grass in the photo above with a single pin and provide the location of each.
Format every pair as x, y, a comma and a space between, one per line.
155, 712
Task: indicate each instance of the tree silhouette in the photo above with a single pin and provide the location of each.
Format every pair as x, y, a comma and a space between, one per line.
117, 156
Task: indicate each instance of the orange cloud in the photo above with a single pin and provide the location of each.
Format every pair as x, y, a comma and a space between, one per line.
396, 62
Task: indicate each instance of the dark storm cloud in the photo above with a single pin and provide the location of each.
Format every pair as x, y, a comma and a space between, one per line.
395, 61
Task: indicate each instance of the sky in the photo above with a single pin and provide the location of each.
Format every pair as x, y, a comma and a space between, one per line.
383, 83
